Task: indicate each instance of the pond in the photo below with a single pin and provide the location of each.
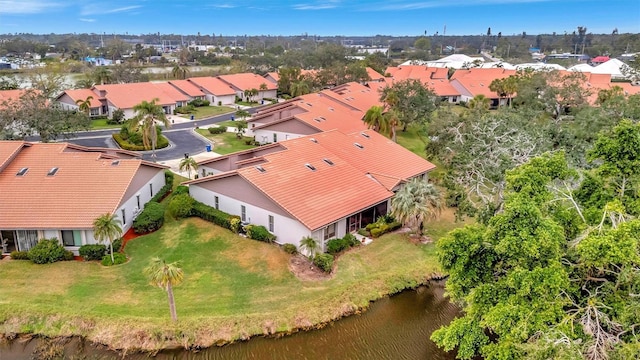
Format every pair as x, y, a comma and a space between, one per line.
393, 328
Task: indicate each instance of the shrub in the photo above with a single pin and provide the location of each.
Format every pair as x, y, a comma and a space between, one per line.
130, 142
117, 245
199, 102
218, 130
20, 255
290, 248
150, 219
68, 255
168, 179
234, 225
47, 251
351, 240
180, 206
375, 232
181, 189
260, 233
117, 117
334, 246
119, 258
324, 262
93, 251
208, 213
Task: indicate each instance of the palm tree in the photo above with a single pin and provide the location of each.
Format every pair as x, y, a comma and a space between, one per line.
102, 75
375, 118
85, 105
188, 164
107, 228
416, 202
165, 276
263, 87
147, 116
310, 245
299, 88
179, 71
480, 103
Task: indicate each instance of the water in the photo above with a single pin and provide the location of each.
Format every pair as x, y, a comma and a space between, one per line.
393, 328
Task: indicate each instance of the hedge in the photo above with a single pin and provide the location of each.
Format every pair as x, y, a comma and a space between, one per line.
260, 233
180, 206
20, 255
163, 142
324, 262
92, 251
168, 179
208, 213
289, 248
119, 258
48, 251
218, 130
150, 219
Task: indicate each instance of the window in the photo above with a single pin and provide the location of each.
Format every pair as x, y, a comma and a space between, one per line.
124, 217
151, 189
53, 171
95, 111
310, 167
217, 202
330, 231
243, 213
271, 223
71, 238
328, 161
138, 200
22, 172
275, 137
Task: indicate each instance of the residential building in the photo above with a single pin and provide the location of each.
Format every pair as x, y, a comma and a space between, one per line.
71, 100
476, 81
215, 90
243, 82
57, 190
323, 185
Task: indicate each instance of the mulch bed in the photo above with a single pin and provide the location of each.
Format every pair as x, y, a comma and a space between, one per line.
304, 269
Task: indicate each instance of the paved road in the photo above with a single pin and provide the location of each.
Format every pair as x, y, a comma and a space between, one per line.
181, 137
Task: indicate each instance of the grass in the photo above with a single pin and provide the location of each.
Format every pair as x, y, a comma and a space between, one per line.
202, 112
226, 143
99, 124
230, 123
234, 288
412, 140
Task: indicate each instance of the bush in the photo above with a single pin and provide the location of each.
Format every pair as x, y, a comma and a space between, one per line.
375, 232
199, 102
324, 262
68, 255
168, 179
47, 251
119, 258
351, 240
234, 225
20, 255
92, 251
208, 213
117, 117
334, 246
218, 130
117, 245
180, 206
260, 233
150, 219
130, 142
181, 189
290, 248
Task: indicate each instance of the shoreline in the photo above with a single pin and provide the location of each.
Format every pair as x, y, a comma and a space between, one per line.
181, 336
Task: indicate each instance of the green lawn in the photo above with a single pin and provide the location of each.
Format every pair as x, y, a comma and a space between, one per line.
234, 287
209, 111
230, 123
100, 124
226, 143
412, 140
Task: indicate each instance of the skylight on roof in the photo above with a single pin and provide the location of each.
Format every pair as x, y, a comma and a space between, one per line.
310, 167
260, 168
328, 161
53, 171
358, 145
115, 163
22, 172
364, 134
314, 140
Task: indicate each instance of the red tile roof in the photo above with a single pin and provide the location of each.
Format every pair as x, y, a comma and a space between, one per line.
126, 96
187, 87
82, 95
172, 92
9, 96
247, 81
70, 199
351, 180
477, 80
355, 95
374, 75
212, 85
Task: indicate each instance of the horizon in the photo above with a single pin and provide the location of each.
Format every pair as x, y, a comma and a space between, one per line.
329, 18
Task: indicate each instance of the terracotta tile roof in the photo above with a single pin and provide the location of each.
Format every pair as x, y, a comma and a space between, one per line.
349, 180
326, 114
374, 75
247, 81
82, 95
85, 186
171, 91
399, 73
274, 75
8, 150
9, 96
187, 87
126, 96
476, 81
212, 85
356, 95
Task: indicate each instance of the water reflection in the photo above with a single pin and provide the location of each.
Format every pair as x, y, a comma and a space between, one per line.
394, 328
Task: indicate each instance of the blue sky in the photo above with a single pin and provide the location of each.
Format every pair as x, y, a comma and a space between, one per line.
318, 17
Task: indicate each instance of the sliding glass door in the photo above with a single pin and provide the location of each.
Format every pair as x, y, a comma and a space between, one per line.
26, 239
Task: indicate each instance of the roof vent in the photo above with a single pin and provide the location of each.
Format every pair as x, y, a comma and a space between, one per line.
260, 168
310, 167
22, 172
331, 109
364, 134
53, 171
358, 145
328, 161
314, 140
115, 163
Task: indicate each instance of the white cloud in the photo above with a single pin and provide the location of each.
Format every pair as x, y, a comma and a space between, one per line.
445, 3
223, 6
27, 6
97, 9
314, 7
87, 20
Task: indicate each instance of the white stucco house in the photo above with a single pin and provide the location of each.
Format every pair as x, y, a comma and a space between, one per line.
57, 190
323, 185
